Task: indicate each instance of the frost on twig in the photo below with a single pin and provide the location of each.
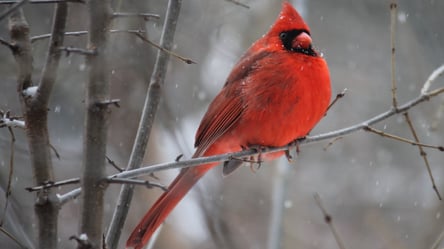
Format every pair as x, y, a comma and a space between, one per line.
6, 120
338, 96
30, 91
435, 74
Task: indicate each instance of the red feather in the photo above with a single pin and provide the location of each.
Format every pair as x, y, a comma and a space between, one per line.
275, 94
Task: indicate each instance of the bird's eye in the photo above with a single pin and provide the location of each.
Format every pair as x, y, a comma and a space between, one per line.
283, 35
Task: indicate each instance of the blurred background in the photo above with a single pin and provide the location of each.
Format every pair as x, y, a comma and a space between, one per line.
377, 190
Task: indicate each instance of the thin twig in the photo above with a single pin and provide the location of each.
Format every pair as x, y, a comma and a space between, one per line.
7, 44
9, 235
438, 241
6, 120
329, 220
114, 164
338, 96
393, 21
422, 153
168, 51
11, 9
81, 51
84, 32
401, 139
331, 142
56, 153
145, 16
147, 119
238, 3
435, 92
138, 33
146, 183
53, 184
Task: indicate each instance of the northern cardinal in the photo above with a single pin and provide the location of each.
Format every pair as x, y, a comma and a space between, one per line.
276, 93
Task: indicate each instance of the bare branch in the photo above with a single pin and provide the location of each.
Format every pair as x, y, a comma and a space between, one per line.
435, 74
393, 20
147, 170
401, 139
250, 152
19, 32
56, 153
49, 73
9, 235
238, 3
6, 120
435, 92
338, 96
48, 185
11, 9
438, 241
147, 184
145, 16
36, 116
81, 51
139, 33
96, 126
8, 44
331, 142
84, 32
107, 102
147, 119
329, 220
69, 196
168, 51
422, 153
114, 164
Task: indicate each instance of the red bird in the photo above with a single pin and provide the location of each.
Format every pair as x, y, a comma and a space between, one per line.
275, 94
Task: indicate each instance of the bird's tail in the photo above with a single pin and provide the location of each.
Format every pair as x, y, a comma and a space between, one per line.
165, 204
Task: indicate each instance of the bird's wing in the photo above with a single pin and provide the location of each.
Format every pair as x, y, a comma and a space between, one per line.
227, 107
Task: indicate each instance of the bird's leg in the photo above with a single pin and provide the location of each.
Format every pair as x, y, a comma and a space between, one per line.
288, 156
251, 159
295, 143
256, 159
